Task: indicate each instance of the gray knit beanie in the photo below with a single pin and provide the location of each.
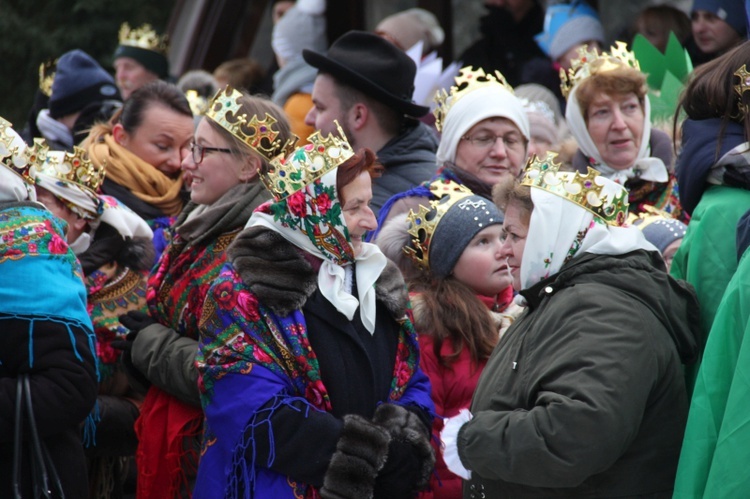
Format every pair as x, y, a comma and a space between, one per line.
457, 228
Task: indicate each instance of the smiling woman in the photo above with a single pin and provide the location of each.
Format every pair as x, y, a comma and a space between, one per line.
236, 138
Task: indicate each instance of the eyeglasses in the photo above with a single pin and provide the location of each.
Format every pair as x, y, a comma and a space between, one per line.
484, 140
199, 151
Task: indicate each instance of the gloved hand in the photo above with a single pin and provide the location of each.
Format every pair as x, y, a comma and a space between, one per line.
402, 471
135, 321
410, 458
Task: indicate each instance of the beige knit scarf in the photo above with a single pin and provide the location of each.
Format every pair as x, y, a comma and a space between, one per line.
126, 169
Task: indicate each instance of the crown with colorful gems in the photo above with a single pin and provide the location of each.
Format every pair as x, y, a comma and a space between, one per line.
742, 87
143, 37
226, 110
74, 167
591, 63
288, 174
198, 103
47, 76
605, 199
422, 225
467, 81
23, 161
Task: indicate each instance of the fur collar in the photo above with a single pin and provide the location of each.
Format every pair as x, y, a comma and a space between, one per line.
283, 278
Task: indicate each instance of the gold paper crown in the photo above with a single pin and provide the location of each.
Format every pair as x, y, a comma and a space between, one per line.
288, 174
74, 167
467, 81
742, 87
23, 161
198, 103
47, 76
144, 37
605, 199
591, 63
225, 109
422, 225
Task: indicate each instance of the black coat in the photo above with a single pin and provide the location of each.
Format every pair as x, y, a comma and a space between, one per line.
63, 392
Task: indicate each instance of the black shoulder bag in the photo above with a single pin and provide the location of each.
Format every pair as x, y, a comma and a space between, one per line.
45, 480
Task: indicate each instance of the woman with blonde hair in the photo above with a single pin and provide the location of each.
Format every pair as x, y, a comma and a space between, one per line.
233, 142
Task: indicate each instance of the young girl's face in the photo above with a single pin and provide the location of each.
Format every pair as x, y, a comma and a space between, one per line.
482, 266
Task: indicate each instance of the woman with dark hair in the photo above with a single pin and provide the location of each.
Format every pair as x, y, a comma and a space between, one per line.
141, 149
233, 142
584, 395
608, 113
310, 366
714, 176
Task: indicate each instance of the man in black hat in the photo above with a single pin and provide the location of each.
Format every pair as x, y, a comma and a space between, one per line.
366, 84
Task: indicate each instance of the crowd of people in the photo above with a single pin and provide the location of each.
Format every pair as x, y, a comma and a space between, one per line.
527, 288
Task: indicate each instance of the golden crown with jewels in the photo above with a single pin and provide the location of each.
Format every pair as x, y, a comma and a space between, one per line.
143, 37
198, 103
288, 174
742, 87
74, 167
47, 76
591, 62
604, 198
467, 81
21, 160
422, 225
225, 109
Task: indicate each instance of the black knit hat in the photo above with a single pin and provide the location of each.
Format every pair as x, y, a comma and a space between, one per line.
153, 61
372, 65
79, 81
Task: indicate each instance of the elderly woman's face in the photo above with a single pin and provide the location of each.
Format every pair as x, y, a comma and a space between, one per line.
515, 230
615, 124
359, 217
491, 150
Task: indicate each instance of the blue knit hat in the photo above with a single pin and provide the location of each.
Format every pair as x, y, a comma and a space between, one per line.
568, 25
79, 81
731, 12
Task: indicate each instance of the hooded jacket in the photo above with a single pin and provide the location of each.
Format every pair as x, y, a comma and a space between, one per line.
585, 396
409, 159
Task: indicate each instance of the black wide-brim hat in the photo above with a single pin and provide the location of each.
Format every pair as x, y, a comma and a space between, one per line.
372, 65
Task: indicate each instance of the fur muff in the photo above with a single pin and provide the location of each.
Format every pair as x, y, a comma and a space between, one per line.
360, 454
403, 424
273, 269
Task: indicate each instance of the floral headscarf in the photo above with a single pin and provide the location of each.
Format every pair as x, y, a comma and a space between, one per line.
312, 219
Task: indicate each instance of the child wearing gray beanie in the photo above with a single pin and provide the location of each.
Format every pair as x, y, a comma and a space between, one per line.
461, 304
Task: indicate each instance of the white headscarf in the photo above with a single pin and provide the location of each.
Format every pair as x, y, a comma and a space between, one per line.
12, 187
82, 202
491, 101
334, 279
124, 220
645, 167
560, 230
